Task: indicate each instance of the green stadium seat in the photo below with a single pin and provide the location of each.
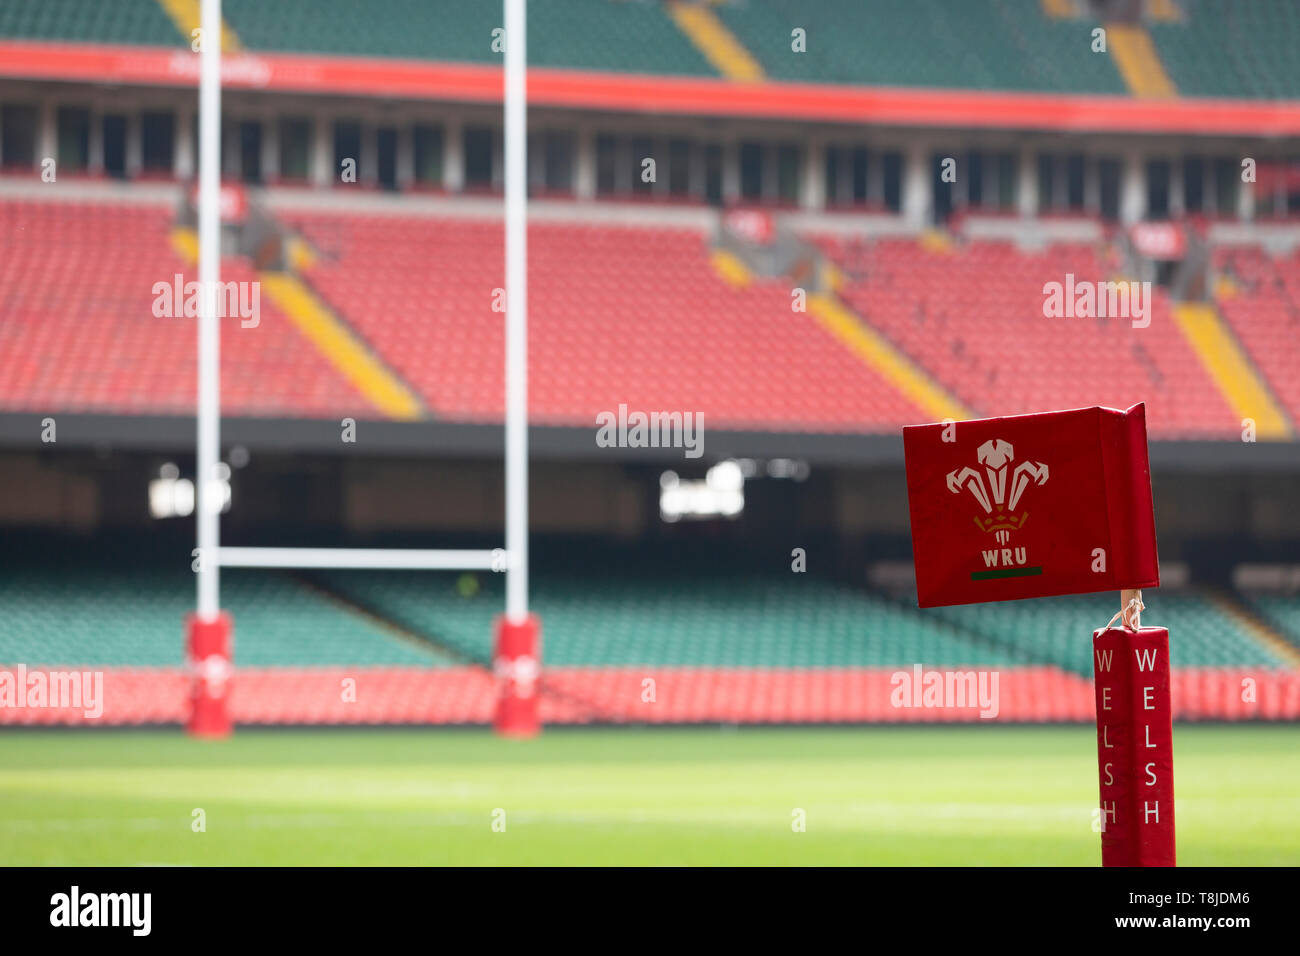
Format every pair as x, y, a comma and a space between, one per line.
135, 22
578, 34
1280, 610
119, 617
1058, 630
1233, 48
975, 44
626, 620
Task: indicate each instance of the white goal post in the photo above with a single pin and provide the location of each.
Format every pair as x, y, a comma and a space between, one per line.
212, 555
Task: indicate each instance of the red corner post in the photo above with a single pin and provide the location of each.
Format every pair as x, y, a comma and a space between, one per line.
207, 657
516, 665
1134, 746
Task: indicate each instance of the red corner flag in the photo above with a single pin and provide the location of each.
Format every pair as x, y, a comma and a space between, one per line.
1031, 506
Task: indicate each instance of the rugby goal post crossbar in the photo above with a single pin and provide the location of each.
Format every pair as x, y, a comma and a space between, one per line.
516, 654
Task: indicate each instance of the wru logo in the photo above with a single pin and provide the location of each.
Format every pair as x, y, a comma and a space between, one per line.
999, 490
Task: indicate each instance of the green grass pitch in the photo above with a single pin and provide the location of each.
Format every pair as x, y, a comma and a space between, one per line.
979, 795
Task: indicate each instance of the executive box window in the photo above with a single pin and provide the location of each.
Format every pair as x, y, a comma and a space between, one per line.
1158, 176
713, 174
856, 176
846, 175
157, 142
295, 148
751, 171
74, 138
643, 148
428, 154
788, 164
347, 146
386, 157
679, 167
250, 151
551, 159
114, 128
18, 135
1061, 182
1227, 180
606, 164
478, 143
1109, 175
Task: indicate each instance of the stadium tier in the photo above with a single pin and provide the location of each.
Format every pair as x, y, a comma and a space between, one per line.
979, 44
726, 621
80, 334
1232, 48
1014, 45
137, 22
1282, 611
584, 34
1208, 635
103, 618
1261, 298
604, 323
415, 647
974, 315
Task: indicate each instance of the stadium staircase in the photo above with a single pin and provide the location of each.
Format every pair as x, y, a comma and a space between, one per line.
1250, 621
1137, 61
712, 38
738, 259
1261, 302
186, 15
80, 333
322, 327
1231, 369
973, 318
1280, 613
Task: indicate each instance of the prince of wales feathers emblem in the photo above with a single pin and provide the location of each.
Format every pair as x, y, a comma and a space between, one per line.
996, 456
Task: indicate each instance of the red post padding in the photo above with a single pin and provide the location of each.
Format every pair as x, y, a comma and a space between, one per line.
1135, 759
516, 664
207, 656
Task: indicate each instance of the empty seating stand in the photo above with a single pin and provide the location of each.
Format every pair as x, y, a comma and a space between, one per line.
1264, 311
138, 22
79, 331
731, 646
577, 34
1233, 48
975, 44
973, 317
616, 315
